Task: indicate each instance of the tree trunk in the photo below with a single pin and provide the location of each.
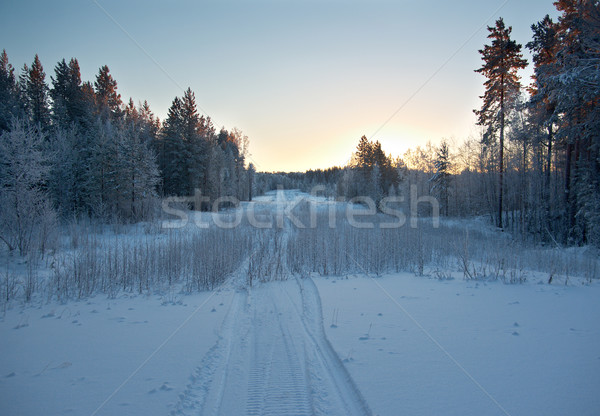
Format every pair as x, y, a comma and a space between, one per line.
548, 174
568, 164
524, 193
501, 163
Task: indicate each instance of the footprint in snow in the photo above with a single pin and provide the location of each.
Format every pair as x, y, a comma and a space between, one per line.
64, 365
213, 310
516, 324
515, 333
166, 387
77, 380
13, 374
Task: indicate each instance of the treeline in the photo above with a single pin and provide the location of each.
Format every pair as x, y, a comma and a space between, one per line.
71, 148
535, 167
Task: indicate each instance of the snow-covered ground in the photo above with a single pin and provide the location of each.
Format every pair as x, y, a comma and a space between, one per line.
421, 346
397, 344
69, 359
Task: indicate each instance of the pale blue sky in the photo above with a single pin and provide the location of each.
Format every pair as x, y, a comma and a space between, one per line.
303, 79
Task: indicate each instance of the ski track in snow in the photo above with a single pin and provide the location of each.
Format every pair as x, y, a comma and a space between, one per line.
272, 358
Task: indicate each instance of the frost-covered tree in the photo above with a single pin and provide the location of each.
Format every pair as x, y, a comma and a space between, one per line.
137, 174
27, 217
442, 176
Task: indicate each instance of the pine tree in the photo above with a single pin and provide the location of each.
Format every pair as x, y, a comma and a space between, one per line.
364, 155
108, 100
502, 59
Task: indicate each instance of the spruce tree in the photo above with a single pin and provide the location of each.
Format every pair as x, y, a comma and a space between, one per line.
442, 176
172, 163
194, 145
8, 93
36, 94
67, 96
544, 47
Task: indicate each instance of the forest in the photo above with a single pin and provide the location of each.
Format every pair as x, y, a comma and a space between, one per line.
74, 149
534, 168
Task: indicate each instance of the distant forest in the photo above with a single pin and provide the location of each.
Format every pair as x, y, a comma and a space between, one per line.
534, 170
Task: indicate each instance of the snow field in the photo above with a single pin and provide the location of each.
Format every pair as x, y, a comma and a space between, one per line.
531, 347
68, 359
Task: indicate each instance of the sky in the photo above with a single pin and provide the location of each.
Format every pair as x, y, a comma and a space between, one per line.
304, 80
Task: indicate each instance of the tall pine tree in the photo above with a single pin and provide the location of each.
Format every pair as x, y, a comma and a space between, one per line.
108, 100
502, 59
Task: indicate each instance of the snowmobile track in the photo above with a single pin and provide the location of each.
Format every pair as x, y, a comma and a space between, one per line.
272, 358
